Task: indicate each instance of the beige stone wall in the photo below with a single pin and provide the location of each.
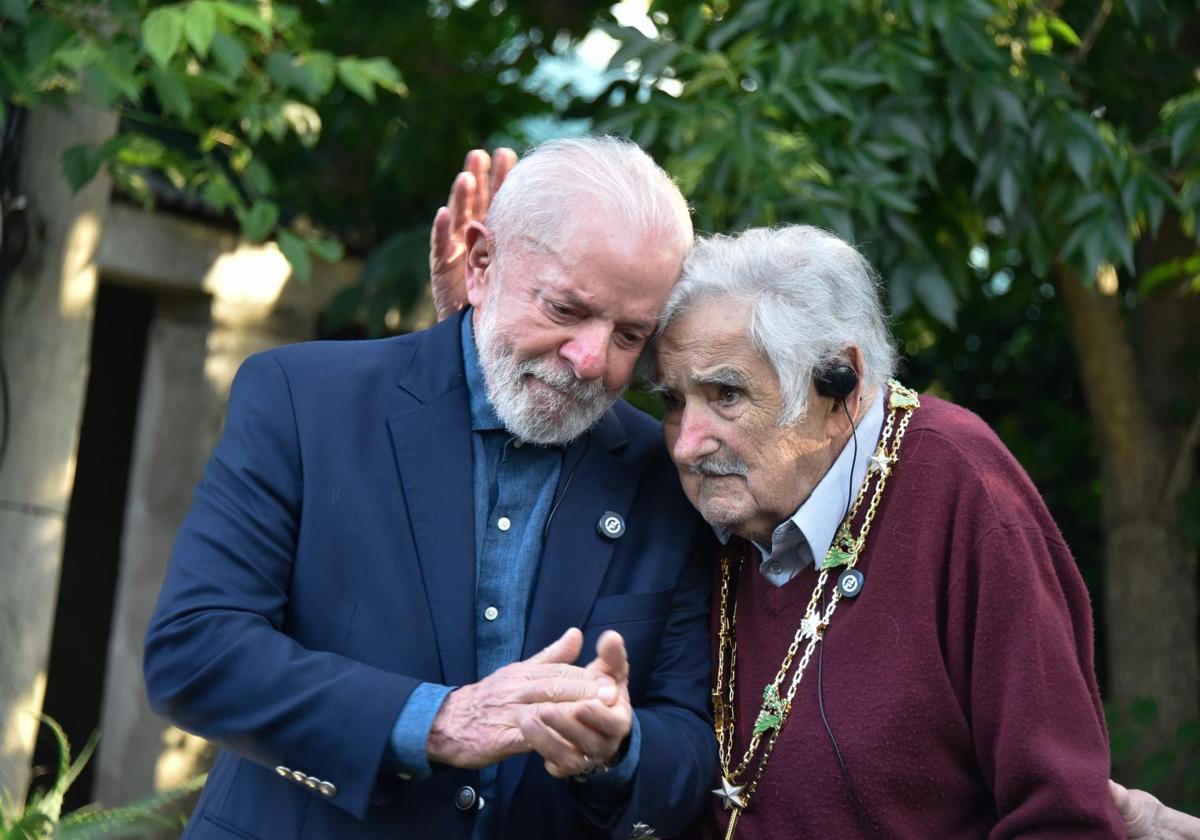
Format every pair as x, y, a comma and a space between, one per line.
45, 327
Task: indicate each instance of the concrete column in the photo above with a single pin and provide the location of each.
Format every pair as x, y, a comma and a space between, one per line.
45, 329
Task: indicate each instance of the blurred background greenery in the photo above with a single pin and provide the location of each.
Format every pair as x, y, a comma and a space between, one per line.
1025, 176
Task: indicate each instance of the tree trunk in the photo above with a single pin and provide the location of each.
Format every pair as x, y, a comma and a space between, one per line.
1149, 576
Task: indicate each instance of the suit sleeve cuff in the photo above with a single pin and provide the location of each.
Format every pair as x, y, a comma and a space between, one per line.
410, 735
621, 774
602, 793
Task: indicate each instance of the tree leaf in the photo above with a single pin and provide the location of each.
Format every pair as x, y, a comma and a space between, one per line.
328, 249
296, 251
1081, 155
258, 222
934, 291
15, 10
1008, 190
1183, 139
171, 91
241, 15
42, 38
1010, 107
230, 54
162, 33
357, 78
827, 102
200, 25
1063, 31
80, 165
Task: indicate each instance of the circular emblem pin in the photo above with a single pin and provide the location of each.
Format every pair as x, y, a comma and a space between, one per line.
850, 583
611, 525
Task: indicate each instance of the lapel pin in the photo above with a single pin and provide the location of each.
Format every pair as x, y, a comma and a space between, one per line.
611, 525
850, 583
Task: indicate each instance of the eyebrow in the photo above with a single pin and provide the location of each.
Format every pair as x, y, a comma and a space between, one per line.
721, 376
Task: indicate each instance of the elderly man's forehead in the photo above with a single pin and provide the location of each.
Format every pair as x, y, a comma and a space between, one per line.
705, 352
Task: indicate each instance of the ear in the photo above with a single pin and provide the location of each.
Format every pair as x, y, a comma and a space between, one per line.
479, 261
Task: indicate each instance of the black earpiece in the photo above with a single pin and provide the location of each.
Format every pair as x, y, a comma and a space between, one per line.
837, 381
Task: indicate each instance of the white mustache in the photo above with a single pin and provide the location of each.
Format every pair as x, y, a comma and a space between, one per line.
714, 466
564, 380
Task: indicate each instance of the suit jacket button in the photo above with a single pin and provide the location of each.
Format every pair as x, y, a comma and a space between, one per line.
327, 789
311, 783
464, 798
298, 777
283, 771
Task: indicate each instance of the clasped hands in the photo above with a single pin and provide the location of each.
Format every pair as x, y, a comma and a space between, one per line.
574, 718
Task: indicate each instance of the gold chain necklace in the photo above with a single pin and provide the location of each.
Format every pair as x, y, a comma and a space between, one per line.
845, 551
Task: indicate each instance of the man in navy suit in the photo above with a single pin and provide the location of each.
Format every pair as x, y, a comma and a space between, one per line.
372, 605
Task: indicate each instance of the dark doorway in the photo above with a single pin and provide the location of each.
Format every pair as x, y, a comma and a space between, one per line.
91, 552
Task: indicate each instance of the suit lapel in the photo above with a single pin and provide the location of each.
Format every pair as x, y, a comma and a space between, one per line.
432, 444
575, 556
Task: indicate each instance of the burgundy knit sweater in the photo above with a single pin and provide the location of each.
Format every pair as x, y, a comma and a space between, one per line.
959, 684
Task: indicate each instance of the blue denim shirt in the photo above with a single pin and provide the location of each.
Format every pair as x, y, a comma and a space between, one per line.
514, 490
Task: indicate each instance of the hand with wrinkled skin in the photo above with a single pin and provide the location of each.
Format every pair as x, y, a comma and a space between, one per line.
1146, 818
573, 738
481, 723
470, 196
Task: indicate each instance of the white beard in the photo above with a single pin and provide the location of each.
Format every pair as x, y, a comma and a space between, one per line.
548, 416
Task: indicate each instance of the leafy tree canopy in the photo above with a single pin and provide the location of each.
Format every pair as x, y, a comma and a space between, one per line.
940, 135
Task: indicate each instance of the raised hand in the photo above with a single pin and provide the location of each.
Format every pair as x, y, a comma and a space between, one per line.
575, 737
481, 723
470, 196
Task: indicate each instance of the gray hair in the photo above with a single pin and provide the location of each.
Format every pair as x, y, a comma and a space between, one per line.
563, 182
810, 294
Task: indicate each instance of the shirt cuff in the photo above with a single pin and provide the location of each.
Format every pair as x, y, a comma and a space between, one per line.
603, 790
410, 735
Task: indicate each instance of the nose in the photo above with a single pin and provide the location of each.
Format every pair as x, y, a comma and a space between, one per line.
695, 438
587, 351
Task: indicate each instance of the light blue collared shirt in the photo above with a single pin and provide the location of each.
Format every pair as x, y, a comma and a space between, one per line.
807, 534
514, 485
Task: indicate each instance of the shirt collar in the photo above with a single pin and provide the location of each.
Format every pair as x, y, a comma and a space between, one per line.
483, 415
815, 523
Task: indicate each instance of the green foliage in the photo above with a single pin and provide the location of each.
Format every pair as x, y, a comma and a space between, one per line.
201, 86
1176, 765
921, 129
42, 817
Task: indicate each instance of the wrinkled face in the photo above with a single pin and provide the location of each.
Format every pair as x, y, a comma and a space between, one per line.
559, 331
738, 467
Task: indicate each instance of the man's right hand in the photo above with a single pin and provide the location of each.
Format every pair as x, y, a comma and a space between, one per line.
480, 724
470, 196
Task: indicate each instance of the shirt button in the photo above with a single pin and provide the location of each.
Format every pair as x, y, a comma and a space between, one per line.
776, 567
517, 444
491, 613
503, 523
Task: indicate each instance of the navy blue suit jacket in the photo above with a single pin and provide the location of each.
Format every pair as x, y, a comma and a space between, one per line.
327, 567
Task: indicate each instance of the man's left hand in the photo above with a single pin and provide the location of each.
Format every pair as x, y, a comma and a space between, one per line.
576, 737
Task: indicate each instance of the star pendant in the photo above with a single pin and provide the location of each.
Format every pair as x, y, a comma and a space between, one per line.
879, 463
730, 795
811, 626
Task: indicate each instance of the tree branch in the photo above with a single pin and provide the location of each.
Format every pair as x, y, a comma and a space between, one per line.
1181, 471
1093, 30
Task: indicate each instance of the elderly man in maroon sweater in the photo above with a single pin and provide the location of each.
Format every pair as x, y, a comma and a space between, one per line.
903, 643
